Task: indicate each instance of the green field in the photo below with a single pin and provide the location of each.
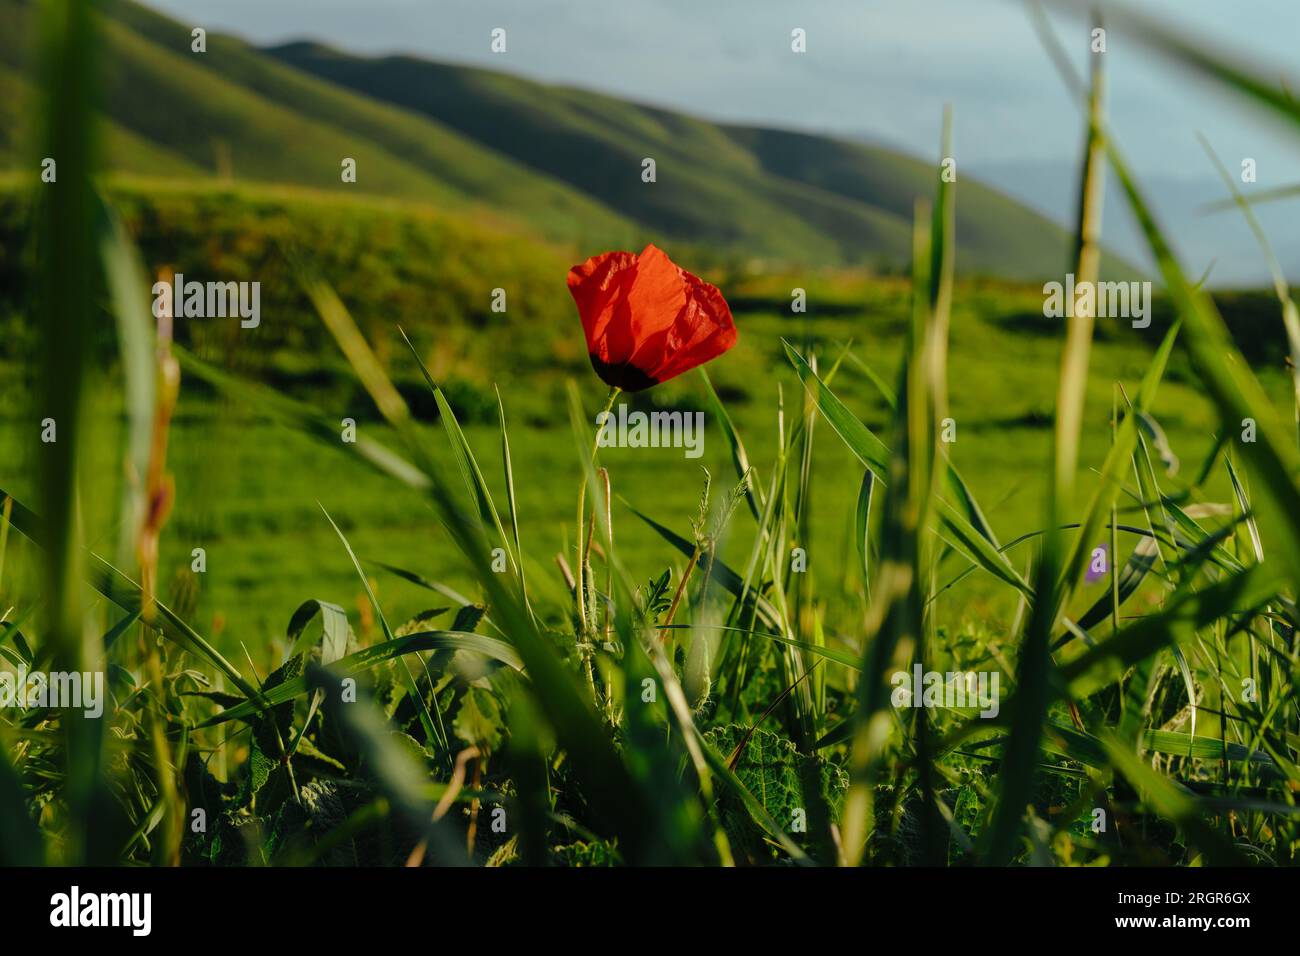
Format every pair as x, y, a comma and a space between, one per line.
250, 491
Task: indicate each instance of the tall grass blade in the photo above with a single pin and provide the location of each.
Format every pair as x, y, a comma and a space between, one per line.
68, 279
894, 631
873, 453
1029, 709
433, 734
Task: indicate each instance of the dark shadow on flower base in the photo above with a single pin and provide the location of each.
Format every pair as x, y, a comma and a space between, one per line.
624, 375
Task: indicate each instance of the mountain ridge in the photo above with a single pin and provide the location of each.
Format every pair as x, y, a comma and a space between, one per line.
859, 196
561, 162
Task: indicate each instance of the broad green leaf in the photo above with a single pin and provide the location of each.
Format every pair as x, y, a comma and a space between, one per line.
787, 784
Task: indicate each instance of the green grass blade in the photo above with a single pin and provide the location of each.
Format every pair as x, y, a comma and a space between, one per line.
67, 281
434, 734
125, 593
304, 418
1035, 666
376, 654
895, 624
739, 457
1226, 376
873, 453
1173, 802
470, 472
511, 501
1238, 595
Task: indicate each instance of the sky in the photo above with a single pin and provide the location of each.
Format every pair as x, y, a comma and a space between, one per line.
879, 70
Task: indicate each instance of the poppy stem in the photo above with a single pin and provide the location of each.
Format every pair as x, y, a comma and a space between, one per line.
584, 539
614, 392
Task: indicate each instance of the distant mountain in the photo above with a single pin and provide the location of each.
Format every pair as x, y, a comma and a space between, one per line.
771, 192
564, 163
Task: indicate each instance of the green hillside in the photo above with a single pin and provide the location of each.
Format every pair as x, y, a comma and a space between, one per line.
396, 263
235, 112
772, 193
564, 163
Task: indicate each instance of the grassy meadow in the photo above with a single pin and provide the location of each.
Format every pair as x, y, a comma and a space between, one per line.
468, 636
256, 507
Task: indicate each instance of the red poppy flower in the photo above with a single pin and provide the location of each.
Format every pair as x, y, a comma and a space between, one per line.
646, 319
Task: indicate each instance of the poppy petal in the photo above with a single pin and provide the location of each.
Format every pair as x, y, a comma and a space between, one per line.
600, 287
703, 331
646, 319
